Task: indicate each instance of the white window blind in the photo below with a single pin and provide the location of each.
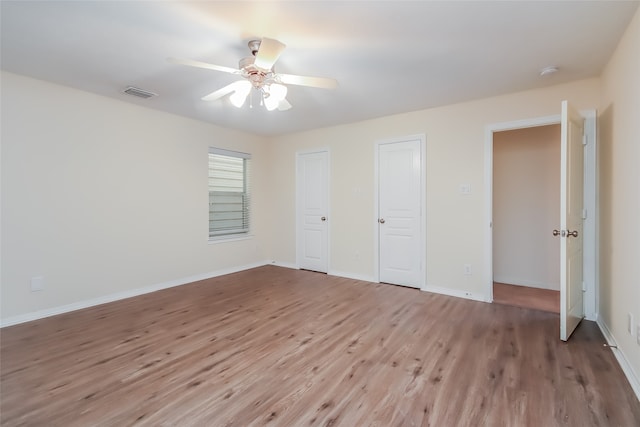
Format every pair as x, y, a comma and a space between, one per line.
229, 201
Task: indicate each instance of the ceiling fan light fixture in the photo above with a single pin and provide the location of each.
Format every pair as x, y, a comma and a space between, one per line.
258, 73
273, 95
278, 91
239, 96
237, 99
271, 103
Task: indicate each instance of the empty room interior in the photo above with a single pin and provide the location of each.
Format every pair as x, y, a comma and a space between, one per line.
346, 213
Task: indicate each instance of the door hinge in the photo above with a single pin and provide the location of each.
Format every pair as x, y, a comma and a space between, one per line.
584, 214
584, 287
584, 139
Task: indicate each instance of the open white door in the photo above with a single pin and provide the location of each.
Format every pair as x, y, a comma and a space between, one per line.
312, 182
571, 220
399, 221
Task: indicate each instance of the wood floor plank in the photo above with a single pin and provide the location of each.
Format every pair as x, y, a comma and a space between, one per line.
280, 347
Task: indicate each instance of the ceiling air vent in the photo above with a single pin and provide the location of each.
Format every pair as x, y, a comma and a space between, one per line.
134, 91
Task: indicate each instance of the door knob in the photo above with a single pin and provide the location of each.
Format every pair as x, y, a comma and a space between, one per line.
565, 233
324, 218
381, 220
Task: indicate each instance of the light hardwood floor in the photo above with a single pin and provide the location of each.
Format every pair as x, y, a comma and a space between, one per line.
279, 347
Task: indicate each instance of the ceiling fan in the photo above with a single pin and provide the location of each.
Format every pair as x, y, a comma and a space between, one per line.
258, 73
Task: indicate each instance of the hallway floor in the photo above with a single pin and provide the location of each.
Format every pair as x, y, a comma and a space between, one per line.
522, 296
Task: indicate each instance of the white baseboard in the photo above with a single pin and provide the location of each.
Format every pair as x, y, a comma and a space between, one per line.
351, 276
515, 281
284, 264
454, 293
330, 272
628, 370
35, 315
591, 316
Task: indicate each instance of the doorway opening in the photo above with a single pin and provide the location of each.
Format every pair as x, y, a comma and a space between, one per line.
589, 213
526, 202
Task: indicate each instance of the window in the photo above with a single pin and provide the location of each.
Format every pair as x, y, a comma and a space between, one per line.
228, 194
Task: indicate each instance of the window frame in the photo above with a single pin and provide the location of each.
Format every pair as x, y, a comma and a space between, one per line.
237, 233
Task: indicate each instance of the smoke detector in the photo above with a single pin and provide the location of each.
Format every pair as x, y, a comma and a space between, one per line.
547, 71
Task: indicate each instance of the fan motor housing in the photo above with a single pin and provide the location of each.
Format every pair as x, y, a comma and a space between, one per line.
257, 76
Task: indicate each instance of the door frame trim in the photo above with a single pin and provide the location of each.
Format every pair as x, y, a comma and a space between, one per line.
590, 241
297, 208
423, 204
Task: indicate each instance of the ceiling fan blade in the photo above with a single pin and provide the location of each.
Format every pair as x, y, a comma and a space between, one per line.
321, 82
284, 105
221, 92
205, 65
268, 53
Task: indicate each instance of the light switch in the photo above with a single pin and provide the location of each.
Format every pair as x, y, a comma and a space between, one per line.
37, 283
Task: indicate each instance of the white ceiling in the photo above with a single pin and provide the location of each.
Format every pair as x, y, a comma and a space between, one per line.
388, 56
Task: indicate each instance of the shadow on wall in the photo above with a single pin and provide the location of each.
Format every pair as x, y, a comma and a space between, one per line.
605, 195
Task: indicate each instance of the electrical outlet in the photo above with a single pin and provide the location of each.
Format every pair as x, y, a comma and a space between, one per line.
467, 269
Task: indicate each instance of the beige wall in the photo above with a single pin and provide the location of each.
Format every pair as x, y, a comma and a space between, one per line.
102, 197
455, 138
619, 192
526, 206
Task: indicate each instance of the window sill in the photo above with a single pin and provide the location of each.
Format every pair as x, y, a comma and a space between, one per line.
216, 240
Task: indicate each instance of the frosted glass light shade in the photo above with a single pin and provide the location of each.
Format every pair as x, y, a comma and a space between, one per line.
271, 103
242, 90
275, 94
278, 91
